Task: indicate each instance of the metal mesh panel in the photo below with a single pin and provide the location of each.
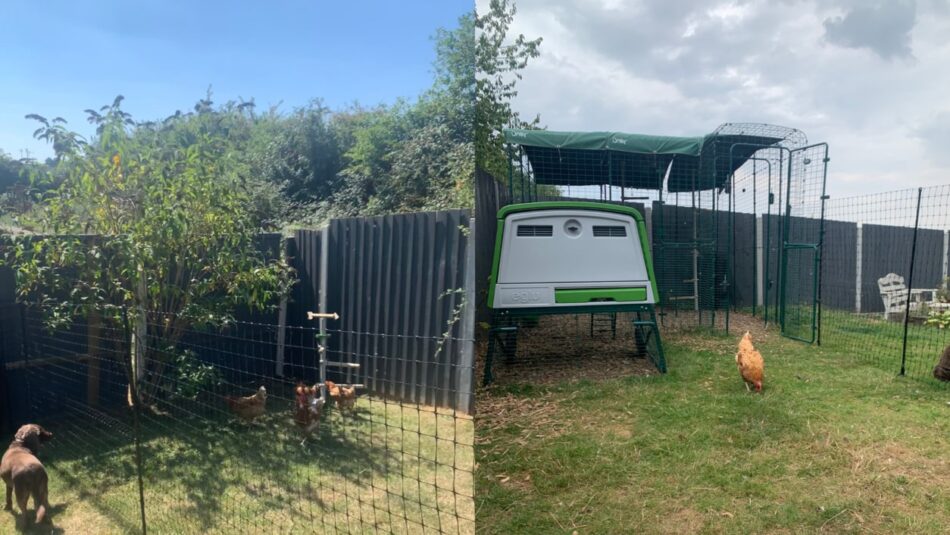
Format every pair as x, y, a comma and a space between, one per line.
717, 222
884, 278
721, 227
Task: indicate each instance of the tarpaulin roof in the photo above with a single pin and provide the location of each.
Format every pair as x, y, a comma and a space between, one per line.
636, 160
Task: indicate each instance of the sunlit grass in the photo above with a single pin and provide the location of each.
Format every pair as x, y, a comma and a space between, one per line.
389, 468
833, 444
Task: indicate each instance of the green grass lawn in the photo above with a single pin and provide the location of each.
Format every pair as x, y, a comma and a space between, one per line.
394, 468
880, 342
833, 445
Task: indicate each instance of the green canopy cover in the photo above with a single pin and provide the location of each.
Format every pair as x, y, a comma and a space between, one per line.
635, 160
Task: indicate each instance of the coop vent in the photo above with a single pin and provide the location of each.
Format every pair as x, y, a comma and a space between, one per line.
535, 231
612, 231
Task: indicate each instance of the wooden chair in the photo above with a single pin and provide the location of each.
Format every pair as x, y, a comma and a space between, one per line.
894, 294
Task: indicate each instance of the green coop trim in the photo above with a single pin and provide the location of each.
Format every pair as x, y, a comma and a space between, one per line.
570, 205
589, 295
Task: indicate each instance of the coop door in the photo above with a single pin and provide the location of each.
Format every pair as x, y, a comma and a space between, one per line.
801, 243
799, 300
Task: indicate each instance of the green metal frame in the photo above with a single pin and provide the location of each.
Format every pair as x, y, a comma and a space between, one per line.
716, 269
782, 151
814, 247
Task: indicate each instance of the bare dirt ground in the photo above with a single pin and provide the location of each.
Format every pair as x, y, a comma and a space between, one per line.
562, 349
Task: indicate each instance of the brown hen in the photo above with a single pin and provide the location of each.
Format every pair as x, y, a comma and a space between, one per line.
343, 396
308, 408
751, 364
250, 407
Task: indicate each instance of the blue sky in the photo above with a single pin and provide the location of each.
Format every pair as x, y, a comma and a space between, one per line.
58, 58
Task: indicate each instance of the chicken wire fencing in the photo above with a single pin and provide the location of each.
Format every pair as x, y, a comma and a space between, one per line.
236, 429
884, 280
734, 225
211, 432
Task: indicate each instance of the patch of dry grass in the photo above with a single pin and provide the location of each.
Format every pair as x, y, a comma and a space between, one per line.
832, 446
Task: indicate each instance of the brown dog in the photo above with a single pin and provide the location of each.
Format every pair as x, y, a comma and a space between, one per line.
23, 473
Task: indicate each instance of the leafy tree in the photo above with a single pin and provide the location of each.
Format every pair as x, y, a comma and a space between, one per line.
371, 137
299, 152
10, 172
451, 100
174, 235
313, 163
431, 171
498, 62
55, 133
14, 193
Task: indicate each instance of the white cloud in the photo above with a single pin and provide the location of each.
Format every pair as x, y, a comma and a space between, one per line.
835, 69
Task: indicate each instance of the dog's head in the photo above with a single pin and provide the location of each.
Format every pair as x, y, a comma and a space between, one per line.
31, 436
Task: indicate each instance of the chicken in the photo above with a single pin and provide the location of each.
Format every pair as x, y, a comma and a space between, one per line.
344, 397
250, 407
308, 409
751, 364
745, 343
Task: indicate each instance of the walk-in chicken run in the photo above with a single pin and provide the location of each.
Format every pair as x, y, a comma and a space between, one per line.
625, 235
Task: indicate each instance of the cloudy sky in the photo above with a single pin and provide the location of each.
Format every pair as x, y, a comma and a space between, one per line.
872, 78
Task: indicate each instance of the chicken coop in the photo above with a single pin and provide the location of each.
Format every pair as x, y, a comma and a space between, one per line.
570, 257
734, 221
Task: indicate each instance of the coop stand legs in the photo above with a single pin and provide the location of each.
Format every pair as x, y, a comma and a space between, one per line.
507, 337
603, 323
647, 339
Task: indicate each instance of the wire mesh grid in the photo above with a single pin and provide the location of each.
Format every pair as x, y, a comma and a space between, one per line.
716, 224
222, 437
702, 212
884, 278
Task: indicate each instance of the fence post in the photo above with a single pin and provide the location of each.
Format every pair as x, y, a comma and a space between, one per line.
759, 264
648, 219
282, 318
466, 367
857, 268
910, 282
946, 255
324, 343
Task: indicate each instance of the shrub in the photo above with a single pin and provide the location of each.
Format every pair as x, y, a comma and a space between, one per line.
939, 319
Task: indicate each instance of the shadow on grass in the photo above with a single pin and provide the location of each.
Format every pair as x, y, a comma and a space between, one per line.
202, 466
46, 528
